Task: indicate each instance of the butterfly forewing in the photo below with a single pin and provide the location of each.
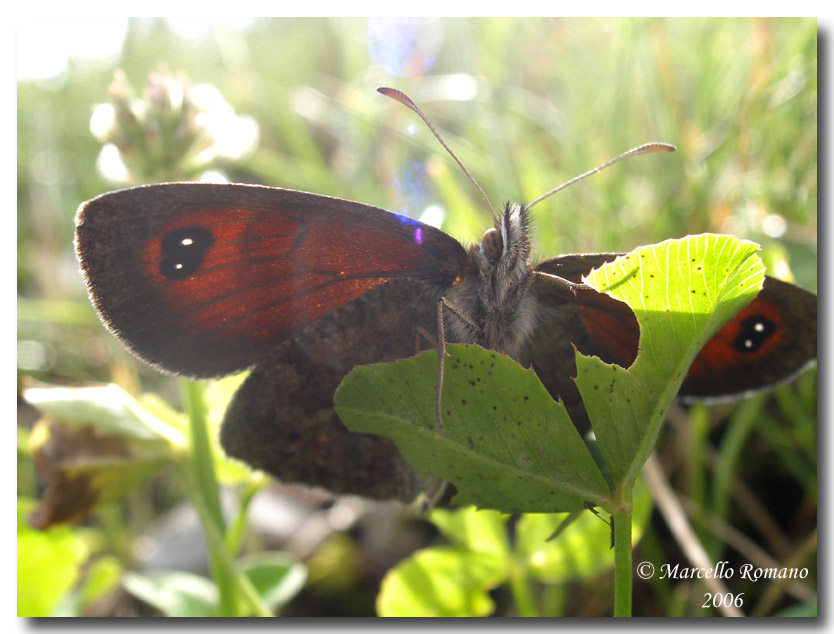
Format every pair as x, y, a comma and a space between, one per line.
204, 280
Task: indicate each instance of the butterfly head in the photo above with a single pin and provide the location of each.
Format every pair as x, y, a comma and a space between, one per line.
507, 244
494, 295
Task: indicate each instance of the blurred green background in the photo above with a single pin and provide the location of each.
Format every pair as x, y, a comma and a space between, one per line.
525, 103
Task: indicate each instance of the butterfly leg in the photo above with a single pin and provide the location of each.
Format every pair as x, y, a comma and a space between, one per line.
441, 349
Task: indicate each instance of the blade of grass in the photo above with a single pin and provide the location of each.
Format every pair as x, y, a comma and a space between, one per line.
203, 490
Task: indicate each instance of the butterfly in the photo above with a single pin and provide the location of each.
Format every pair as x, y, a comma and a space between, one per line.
205, 280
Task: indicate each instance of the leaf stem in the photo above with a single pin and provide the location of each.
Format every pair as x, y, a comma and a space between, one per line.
621, 519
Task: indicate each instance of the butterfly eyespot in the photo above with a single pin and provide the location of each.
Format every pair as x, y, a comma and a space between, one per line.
754, 332
183, 251
492, 244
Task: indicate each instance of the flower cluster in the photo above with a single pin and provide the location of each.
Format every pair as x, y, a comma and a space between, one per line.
174, 131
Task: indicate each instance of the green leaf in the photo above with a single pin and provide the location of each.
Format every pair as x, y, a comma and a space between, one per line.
174, 593
483, 531
48, 564
808, 609
450, 581
681, 292
505, 444
277, 577
102, 576
481, 558
109, 409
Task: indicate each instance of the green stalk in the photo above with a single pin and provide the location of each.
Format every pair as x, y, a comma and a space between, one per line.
621, 518
203, 490
236, 528
200, 450
204, 493
223, 566
727, 459
520, 588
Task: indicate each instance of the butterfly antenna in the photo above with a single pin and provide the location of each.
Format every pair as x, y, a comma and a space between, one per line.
404, 99
647, 148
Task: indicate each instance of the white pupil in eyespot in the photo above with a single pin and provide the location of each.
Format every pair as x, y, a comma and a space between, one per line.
187, 242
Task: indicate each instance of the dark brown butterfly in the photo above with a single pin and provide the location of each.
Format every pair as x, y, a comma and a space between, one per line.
204, 280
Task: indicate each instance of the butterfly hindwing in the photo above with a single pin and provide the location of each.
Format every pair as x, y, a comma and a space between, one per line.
282, 419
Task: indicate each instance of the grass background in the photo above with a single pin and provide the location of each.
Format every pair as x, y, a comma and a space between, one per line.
526, 104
